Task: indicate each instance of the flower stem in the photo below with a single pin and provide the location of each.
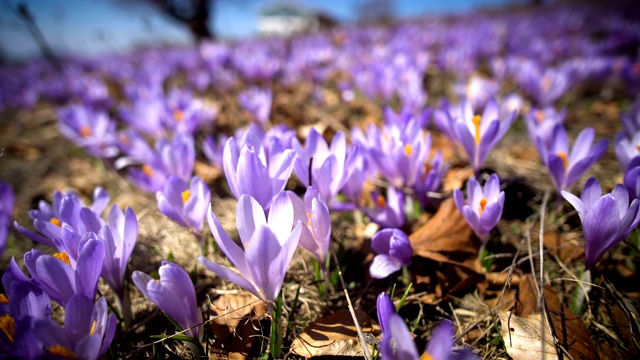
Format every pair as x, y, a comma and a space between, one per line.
275, 342
124, 304
319, 277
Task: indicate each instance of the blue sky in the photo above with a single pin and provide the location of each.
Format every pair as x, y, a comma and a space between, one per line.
91, 27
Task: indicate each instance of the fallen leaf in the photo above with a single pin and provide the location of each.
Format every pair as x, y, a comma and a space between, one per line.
566, 246
447, 231
335, 335
208, 173
447, 240
522, 337
569, 328
235, 322
456, 178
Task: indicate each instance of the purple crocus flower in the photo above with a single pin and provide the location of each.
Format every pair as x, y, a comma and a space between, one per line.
632, 178
175, 157
627, 148
7, 200
394, 252
93, 131
331, 167
185, 203
247, 171
314, 214
87, 333
387, 213
65, 209
26, 304
397, 342
430, 177
541, 122
606, 219
257, 102
269, 245
478, 134
484, 207
59, 279
174, 294
119, 238
567, 167
385, 309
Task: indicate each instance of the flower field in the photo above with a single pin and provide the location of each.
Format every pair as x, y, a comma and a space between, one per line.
448, 187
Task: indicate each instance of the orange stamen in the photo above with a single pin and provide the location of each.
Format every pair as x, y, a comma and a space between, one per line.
476, 122
309, 216
124, 139
8, 325
381, 201
638, 148
426, 356
85, 131
185, 196
55, 221
563, 156
483, 204
93, 327
62, 352
178, 115
4, 299
407, 150
540, 116
63, 256
148, 171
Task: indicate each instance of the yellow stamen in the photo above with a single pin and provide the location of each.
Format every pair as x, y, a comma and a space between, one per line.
178, 115
426, 356
8, 325
638, 148
476, 122
381, 201
63, 257
563, 156
309, 216
61, 351
185, 196
246, 244
483, 204
85, 131
4, 299
148, 171
55, 221
93, 327
407, 150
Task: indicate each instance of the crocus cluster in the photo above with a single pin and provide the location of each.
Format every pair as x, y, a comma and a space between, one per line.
606, 219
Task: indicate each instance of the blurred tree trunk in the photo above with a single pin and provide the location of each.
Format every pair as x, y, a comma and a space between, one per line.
194, 13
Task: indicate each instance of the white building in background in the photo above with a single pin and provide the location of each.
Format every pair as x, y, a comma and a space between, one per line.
284, 19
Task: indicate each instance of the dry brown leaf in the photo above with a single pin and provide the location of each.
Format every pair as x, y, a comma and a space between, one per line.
334, 335
447, 231
208, 173
236, 321
569, 329
565, 246
447, 240
455, 178
522, 337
